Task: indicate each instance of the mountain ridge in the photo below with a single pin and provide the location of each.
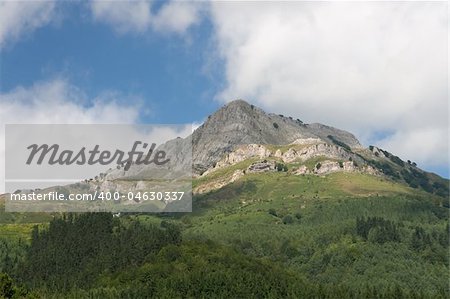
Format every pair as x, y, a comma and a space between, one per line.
226, 137
239, 122
219, 142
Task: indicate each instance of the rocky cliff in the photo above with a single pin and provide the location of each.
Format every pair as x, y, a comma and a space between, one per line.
240, 123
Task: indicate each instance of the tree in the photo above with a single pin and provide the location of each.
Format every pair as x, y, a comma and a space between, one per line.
6, 286
281, 167
376, 235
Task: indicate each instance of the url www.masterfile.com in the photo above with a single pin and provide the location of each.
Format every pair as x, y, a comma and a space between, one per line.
99, 195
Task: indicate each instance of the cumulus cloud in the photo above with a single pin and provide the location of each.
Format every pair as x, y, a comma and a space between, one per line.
124, 15
177, 16
137, 16
19, 18
23, 17
419, 143
372, 68
58, 102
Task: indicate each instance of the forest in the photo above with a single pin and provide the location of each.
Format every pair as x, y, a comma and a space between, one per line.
96, 255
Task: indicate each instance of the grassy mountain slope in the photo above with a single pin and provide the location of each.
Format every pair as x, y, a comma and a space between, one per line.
376, 229
309, 223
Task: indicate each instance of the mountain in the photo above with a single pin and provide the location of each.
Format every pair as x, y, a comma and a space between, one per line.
241, 139
239, 131
242, 133
280, 209
238, 123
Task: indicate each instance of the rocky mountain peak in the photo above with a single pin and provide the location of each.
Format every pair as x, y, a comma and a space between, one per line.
237, 113
239, 122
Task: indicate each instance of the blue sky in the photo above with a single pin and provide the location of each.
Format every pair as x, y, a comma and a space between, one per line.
165, 73
378, 70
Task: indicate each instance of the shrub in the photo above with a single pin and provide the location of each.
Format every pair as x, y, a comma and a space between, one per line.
275, 125
6, 286
273, 212
375, 235
339, 143
377, 230
385, 167
288, 219
397, 160
385, 153
281, 167
318, 165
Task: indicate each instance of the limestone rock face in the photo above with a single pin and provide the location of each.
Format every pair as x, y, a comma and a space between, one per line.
262, 166
302, 170
242, 153
292, 154
239, 123
323, 149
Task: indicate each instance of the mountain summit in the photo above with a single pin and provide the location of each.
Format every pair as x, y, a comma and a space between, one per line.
239, 123
243, 133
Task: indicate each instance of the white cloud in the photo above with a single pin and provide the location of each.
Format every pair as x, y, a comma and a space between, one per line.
419, 144
196, 124
366, 67
58, 102
22, 17
137, 16
177, 16
19, 18
123, 15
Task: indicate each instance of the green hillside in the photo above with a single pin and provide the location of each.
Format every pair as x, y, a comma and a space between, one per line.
309, 223
334, 236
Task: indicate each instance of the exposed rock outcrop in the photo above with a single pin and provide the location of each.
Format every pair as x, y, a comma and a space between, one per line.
262, 166
292, 154
239, 123
327, 167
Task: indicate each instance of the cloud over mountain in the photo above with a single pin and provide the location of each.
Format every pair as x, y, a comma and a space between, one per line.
376, 69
